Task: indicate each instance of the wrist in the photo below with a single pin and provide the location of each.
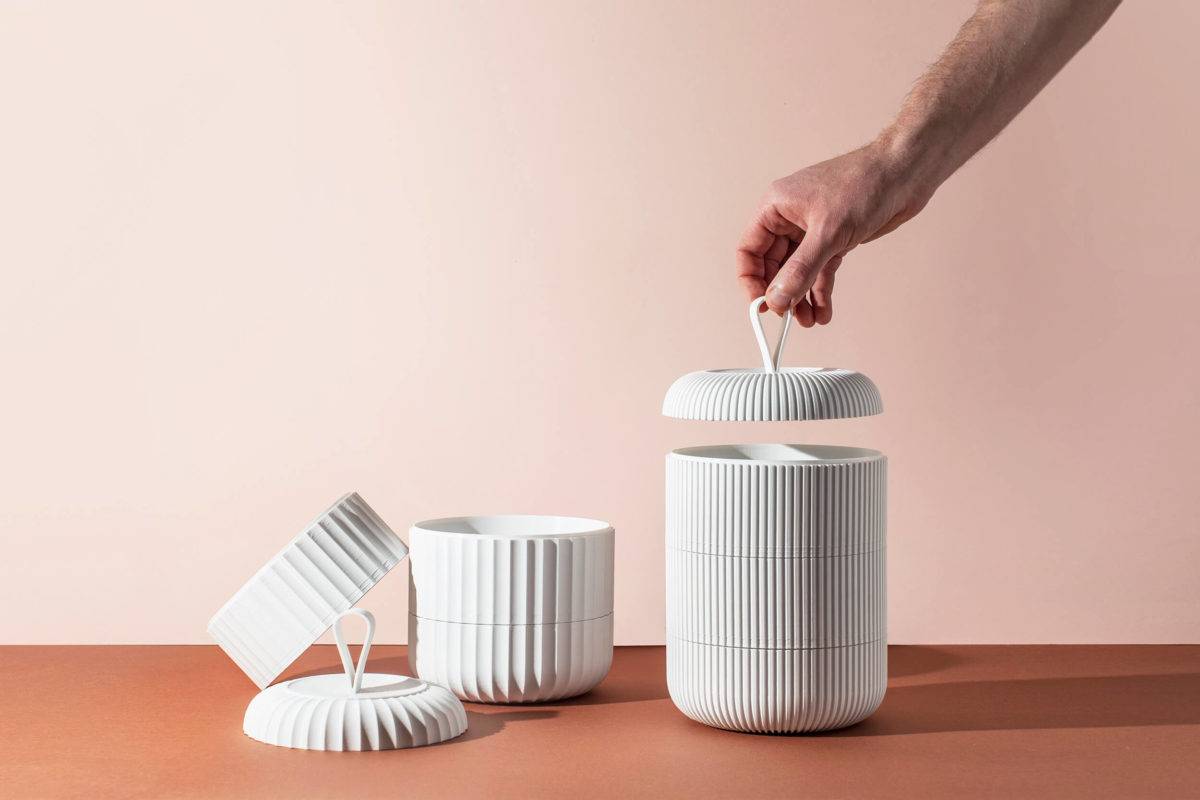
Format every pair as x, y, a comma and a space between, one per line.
916, 162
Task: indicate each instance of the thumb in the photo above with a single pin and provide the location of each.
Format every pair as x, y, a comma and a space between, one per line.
797, 275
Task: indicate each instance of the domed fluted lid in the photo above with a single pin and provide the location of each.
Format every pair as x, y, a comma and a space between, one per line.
772, 394
356, 711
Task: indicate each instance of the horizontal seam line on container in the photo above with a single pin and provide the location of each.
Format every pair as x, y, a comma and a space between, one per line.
509, 624
778, 557
777, 649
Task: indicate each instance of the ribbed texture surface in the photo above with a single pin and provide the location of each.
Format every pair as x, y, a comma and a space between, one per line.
751, 508
776, 588
504, 580
776, 602
776, 691
292, 600
511, 663
754, 395
287, 718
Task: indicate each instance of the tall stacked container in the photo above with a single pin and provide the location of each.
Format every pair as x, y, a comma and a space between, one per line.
776, 571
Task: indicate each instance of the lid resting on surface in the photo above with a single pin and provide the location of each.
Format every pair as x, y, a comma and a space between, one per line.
356, 711
772, 394
297, 595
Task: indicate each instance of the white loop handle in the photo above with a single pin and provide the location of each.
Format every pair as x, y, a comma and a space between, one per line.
354, 673
770, 362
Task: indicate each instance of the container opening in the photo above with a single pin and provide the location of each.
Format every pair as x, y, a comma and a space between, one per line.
514, 525
779, 453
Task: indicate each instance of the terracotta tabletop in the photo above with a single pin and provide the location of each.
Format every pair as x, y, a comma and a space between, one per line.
1020, 722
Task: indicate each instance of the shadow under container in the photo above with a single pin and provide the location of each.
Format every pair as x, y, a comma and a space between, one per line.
776, 555
511, 608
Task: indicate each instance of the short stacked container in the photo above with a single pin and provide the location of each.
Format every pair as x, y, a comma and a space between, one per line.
511, 608
776, 570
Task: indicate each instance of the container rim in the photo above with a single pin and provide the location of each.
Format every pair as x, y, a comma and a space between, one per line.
777, 453
514, 526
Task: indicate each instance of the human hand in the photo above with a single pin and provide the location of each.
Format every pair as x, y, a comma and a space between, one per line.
811, 219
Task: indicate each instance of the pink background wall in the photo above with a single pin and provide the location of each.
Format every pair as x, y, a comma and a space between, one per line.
451, 256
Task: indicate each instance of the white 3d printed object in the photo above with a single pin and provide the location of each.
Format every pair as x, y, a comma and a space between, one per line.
296, 596
776, 571
512, 608
355, 711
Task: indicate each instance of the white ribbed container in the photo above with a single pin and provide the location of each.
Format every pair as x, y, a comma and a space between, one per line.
511, 608
776, 561
776, 585
759, 690
511, 663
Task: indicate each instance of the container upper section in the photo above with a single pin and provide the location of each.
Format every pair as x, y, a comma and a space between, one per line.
772, 394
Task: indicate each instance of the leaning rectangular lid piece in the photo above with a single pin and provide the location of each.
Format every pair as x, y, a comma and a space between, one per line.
297, 595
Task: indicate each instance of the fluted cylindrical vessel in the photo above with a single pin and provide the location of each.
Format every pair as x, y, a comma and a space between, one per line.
776, 585
513, 608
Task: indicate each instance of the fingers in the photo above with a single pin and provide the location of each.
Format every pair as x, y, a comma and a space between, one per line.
821, 293
803, 312
816, 307
751, 265
800, 272
774, 259
766, 243
753, 285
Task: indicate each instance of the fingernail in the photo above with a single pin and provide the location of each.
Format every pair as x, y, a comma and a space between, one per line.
778, 299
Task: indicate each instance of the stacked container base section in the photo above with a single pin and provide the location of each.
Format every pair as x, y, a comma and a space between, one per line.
776, 600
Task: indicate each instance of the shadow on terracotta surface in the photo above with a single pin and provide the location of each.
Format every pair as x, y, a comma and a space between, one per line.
906, 660
481, 724
1035, 704
645, 680
615, 692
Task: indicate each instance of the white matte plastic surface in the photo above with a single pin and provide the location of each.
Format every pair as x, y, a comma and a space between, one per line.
776, 691
297, 595
514, 569
772, 393
511, 663
511, 608
356, 710
776, 500
776, 585
776, 559
777, 602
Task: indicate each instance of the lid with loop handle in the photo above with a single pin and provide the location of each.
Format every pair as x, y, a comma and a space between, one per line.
354, 711
773, 393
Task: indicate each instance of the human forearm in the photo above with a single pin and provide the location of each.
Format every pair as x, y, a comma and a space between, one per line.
1001, 58
809, 220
